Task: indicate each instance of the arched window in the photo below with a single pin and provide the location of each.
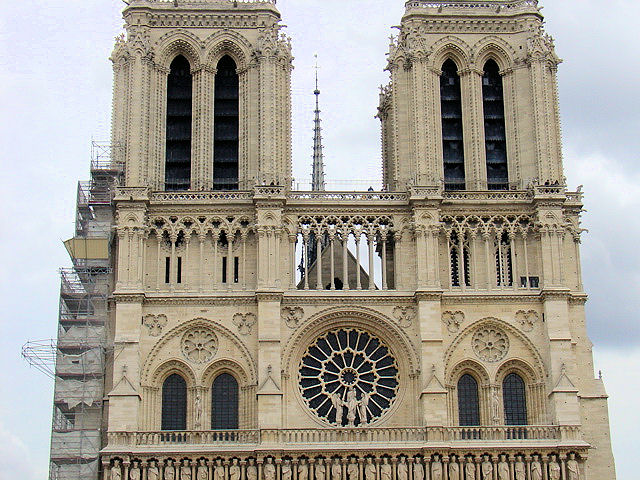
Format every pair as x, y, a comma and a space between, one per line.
174, 403
495, 139
468, 404
224, 403
515, 400
177, 170
452, 140
504, 265
459, 263
225, 127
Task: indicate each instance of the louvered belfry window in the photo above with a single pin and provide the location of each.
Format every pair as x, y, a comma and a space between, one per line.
226, 130
495, 139
468, 404
177, 172
515, 400
224, 403
452, 137
174, 403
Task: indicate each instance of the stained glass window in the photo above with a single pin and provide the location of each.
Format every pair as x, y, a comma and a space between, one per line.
468, 405
515, 400
224, 403
174, 403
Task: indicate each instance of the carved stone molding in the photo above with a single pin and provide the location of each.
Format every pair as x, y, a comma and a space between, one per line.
453, 320
292, 315
527, 319
155, 324
404, 315
244, 322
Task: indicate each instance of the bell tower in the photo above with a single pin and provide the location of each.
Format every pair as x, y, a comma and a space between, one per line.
472, 102
202, 95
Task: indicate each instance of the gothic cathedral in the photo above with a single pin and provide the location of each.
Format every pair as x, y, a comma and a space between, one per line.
220, 325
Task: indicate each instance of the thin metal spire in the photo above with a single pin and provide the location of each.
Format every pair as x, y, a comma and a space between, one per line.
317, 174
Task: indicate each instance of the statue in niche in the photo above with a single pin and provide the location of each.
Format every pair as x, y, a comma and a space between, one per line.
402, 469
169, 471
503, 469
252, 470
198, 409
536, 469
520, 469
352, 470
495, 405
116, 470
269, 469
320, 470
385, 469
418, 469
234, 470
303, 469
152, 471
286, 469
201, 471
554, 469
185, 471
573, 469
454, 469
486, 468
218, 472
470, 469
436, 468
336, 470
134, 473
369, 470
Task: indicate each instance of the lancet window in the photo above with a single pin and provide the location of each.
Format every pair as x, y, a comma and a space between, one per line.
468, 401
179, 113
224, 402
459, 256
226, 130
174, 403
494, 127
514, 399
504, 262
452, 136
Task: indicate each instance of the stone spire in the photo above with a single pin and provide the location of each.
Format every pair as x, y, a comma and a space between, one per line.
317, 174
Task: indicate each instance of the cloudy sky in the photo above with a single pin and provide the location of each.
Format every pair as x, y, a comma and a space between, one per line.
55, 88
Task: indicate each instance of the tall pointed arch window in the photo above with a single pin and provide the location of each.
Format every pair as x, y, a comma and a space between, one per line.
468, 401
514, 399
495, 139
460, 272
504, 265
177, 172
174, 403
225, 128
452, 139
224, 403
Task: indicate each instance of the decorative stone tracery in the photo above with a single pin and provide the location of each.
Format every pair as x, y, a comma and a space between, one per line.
199, 345
490, 344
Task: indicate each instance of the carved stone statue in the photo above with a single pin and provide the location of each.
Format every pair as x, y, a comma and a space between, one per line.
573, 469
269, 469
369, 470
352, 470
352, 405
418, 469
234, 470
169, 471
198, 410
363, 405
536, 469
135, 473
152, 471
202, 472
454, 469
503, 469
402, 469
385, 469
486, 468
469, 469
218, 472
286, 469
495, 405
252, 470
116, 470
436, 468
303, 469
520, 469
336, 470
320, 470
185, 471
554, 469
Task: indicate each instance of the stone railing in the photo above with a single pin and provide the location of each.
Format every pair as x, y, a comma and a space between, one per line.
200, 197
488, 195
379, 435
347, 196
478, 5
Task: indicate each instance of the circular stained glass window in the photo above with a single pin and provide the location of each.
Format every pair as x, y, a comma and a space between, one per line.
348, 377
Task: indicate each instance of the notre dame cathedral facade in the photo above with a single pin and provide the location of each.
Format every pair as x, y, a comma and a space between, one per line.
433, 330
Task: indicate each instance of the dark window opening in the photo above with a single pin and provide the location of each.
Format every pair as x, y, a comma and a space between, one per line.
236, 264
504, 267
495, 139
452, 137
468, 404
167, 270
179, 270
177, 173
226, 126
224, 269
174, 403
515, 400
224, 403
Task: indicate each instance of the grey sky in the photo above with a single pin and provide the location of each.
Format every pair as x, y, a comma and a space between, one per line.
55, 96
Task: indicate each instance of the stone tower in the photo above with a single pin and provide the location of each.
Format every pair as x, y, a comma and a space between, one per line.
440, 334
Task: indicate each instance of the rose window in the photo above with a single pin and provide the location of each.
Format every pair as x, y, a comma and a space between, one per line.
199, 345
348, 377
490, 344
